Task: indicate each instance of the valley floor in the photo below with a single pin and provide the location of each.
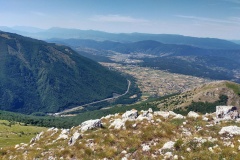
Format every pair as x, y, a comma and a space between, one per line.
157, 82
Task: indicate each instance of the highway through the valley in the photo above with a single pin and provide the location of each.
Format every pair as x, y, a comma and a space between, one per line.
95, 102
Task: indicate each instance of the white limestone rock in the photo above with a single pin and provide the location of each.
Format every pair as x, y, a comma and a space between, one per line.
193, 114
63, 134
167, 146
231, 130
205, 119
168, 155
130, 115
162, 113
226, 112
145, 148
145, 115
179, 116
37, 138
91, 124
188, 149
74, 138
150, 110
186, 132
118, 124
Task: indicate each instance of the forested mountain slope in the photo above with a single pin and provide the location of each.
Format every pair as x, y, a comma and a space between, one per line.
36, 76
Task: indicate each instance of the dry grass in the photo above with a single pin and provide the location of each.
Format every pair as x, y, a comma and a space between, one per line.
110, 143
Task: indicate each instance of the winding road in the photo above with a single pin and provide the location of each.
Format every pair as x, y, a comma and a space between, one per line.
81, 107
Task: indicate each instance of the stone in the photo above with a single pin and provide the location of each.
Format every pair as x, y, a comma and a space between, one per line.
130, 115
175, 157
189, 149
134, 125
63, 134
193, 114
178, 116
210, 149
118, 124
186, 132
37, 138
226, 112
17, 145
150, 110
168, 145
231, 130
205, 119
145, 115
168, 155
91, 124
145, 148
162, 113
74, 138
124, 152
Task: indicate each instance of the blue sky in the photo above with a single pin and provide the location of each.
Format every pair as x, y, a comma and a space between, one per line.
200, 18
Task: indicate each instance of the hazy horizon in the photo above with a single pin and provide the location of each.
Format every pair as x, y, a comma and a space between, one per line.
205, 18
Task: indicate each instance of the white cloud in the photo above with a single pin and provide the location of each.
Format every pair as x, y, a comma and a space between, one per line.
230, 20
117, 18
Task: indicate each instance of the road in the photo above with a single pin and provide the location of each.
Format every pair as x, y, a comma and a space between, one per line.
82, 106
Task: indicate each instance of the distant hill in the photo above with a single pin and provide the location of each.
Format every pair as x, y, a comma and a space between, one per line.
220, 64
208, 93
236, 41
63, 33
36, 76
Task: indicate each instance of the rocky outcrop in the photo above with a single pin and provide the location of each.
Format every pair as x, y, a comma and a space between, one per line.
74, 138
130, 115
91, 124
138, 135
63, 134
37, 138
227, 112
118, 124
193, 114
231, 130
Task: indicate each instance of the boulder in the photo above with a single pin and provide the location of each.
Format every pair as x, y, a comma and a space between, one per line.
90, 124
168, 145
145, 115
162, 113
226, 112
232, 130
145, 148
179, 116
130, 115
74, 138
63, 134
193, 114
118, 124
37, 138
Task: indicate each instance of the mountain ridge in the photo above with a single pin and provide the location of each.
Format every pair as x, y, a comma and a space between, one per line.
66, 33
35, 76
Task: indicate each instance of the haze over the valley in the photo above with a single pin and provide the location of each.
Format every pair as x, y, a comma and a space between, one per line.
205, 18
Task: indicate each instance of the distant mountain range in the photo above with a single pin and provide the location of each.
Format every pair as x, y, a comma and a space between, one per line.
63, 33
36, 76
220, 64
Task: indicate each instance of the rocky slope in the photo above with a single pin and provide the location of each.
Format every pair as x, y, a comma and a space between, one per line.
139, 135
36, 76
209, 92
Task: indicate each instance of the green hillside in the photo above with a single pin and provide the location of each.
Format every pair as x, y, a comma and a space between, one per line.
36, 76
13, 133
